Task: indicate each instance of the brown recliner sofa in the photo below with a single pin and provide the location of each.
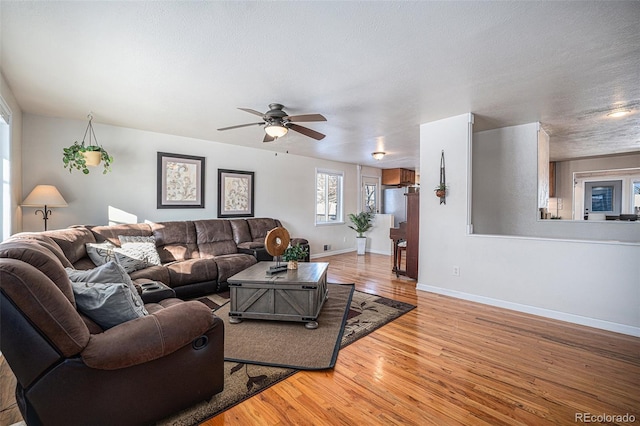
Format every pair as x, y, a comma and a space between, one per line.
197, 257
70, 371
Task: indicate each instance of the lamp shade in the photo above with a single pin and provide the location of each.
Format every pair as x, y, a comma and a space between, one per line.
276, 130
44, 195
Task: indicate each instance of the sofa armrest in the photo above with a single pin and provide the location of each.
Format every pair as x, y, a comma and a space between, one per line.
150, 337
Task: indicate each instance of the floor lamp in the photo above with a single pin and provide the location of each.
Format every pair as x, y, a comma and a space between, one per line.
44, 196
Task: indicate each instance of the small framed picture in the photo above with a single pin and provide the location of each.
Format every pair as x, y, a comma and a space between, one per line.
180, 181
235, 193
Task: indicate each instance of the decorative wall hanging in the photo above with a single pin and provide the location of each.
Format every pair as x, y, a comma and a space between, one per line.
235, 193
80, 155
441, 189
180, 181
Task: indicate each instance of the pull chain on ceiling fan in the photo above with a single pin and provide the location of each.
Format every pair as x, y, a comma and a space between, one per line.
277, 123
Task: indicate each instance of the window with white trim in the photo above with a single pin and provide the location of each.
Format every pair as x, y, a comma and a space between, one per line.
5, 171
329, 186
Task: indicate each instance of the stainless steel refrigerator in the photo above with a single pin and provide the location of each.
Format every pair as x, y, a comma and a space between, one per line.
395, 202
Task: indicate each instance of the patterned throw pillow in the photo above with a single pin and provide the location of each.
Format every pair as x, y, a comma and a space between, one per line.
130, 257
141, 248
100, 253
106, 294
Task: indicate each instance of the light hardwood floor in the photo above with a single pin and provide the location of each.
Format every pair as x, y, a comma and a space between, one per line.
446, 362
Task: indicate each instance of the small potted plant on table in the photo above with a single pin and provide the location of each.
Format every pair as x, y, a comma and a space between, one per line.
293, 254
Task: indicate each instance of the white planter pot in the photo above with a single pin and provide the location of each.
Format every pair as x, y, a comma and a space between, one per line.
361, 244
92, 157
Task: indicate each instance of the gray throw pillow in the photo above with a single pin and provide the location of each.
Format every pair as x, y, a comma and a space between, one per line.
106, 294
108, 304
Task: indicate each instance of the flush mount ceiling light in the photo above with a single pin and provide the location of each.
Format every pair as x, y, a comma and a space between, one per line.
276, 130
378, 155
618, 113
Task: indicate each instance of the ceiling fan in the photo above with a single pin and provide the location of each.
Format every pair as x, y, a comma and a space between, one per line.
277, 123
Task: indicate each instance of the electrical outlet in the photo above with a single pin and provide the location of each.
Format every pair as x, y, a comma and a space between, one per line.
456, 271
327, 247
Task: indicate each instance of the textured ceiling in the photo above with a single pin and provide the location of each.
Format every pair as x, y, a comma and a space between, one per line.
375, 70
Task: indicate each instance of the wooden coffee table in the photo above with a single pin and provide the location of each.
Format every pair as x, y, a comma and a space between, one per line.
292, 295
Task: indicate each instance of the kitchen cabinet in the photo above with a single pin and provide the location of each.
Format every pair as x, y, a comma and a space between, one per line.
398, 177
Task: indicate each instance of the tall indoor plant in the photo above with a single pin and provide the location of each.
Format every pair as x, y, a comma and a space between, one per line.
361, 224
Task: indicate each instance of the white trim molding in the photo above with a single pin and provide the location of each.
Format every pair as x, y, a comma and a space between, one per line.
542, 312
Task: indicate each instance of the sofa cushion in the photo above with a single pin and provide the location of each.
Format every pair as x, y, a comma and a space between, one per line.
241, 232
192, 271
152, 273
215, 238
72, 241
41, 258
44, 241
231, 264
112, 233
43, 304
260, 226
175, 240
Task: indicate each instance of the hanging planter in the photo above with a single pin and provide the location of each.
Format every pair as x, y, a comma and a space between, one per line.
441, 190
81, 156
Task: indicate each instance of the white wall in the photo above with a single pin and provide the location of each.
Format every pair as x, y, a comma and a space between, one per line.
505, 192
16, 154
284, 183
566, 169
592, 283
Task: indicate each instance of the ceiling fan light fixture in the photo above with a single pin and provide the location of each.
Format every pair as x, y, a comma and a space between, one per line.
378, 155
276, 130
618, 113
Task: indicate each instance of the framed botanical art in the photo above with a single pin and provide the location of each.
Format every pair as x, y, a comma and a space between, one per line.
180, 181
235, 193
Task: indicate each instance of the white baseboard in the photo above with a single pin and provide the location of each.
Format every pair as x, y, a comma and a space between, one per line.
349, 250
547, 313
331, 253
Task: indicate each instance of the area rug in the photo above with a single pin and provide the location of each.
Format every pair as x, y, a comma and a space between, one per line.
367, 313
289, 344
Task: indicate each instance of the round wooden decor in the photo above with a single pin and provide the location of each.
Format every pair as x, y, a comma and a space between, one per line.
277, 241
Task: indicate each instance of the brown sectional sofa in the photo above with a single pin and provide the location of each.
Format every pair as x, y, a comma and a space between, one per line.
67, 365
197, 256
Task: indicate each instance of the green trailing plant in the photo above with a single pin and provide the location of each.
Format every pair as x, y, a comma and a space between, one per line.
296, 252
73, 157
361, 222
440, 190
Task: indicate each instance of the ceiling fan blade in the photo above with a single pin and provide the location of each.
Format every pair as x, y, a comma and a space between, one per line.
242, 125
305, 117
268, 138
252, 111
306, 131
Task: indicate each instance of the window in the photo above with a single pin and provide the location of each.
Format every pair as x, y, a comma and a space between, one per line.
5, 172
329, 196
370, 194
603, 197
